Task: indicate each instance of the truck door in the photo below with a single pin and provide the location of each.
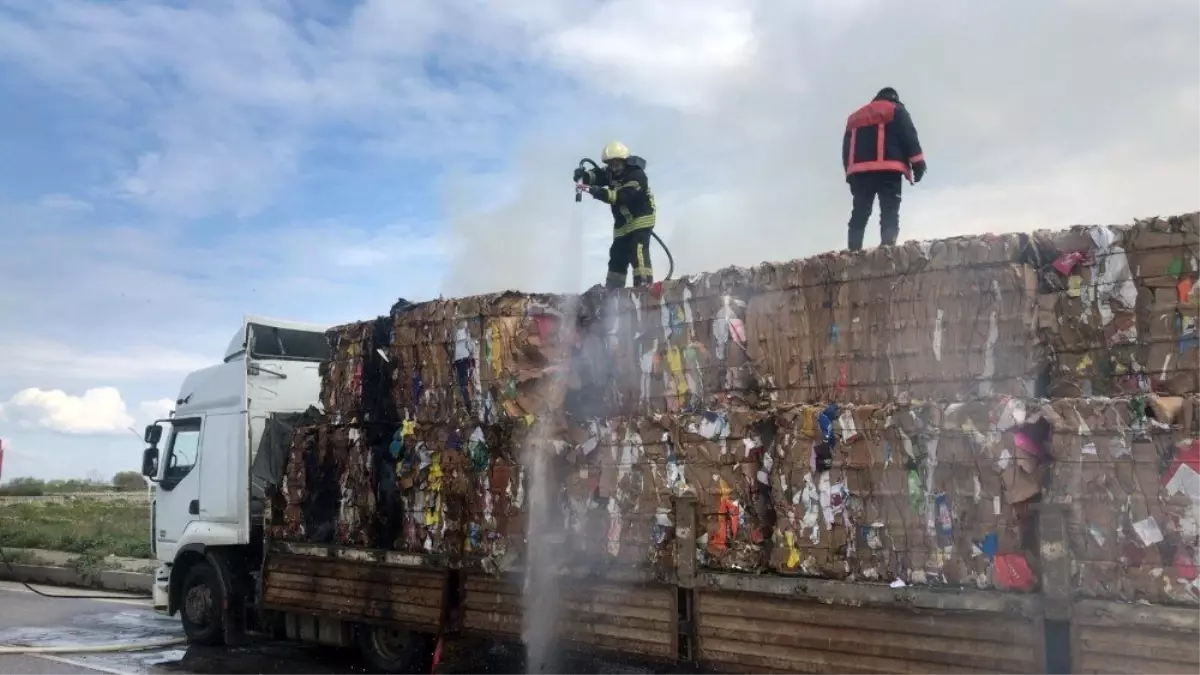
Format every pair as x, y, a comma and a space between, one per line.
177, 501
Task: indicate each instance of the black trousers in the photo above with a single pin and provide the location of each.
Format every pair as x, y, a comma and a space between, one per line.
864, 187
630, 250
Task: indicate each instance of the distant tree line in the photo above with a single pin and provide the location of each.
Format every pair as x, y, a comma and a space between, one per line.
122, 481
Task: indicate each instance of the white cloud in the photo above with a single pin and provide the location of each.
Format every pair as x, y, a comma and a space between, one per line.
663, 55
156, 410
97, 411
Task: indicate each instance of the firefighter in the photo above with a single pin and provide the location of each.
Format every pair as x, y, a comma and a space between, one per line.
622, 184
879, 149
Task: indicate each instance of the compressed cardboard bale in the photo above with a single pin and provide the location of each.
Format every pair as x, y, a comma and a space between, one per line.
911, 492
423, 350
961, 476
817, 492
949, 319
614, 331
288, 505
499, 510
965, 332
323, 468
720, 456
609, 504
354, 524
329, 487
341, 376
992, 458
1127, 471
489, 457
620, 508
702, 324
886, 530
795, 337
496, 521
482, 358
1088, 314
1164, 250
1165, 255
375, 486
526, 351
850, 509
670, 347
779, 327
433, 473
1170, 351
356, 381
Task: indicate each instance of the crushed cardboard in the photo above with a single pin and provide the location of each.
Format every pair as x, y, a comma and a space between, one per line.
937, 356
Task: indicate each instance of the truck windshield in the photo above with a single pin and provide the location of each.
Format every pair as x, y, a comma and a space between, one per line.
268, 342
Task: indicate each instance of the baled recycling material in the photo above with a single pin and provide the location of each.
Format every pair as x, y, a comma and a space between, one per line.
1128, 469
891, 415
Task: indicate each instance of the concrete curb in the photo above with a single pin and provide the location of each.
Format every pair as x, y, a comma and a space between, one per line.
109, 580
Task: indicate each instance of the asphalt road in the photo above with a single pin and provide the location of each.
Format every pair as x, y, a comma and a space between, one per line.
28, 619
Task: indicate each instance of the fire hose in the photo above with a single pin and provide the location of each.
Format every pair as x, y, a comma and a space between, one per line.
81, 649
94, 649
581, 188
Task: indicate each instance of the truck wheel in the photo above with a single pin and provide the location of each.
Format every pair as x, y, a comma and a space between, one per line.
394, 650
202, 605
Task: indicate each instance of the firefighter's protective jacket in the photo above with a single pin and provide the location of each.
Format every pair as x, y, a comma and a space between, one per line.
629, 195
880, 136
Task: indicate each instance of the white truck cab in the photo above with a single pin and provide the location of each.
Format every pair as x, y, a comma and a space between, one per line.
207, 499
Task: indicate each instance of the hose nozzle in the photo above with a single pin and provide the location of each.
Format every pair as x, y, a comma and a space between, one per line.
580, 188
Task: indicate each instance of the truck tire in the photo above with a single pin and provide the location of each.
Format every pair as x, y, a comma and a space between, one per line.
394, 650
201, 606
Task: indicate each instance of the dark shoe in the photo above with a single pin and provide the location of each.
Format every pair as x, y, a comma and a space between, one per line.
856, 240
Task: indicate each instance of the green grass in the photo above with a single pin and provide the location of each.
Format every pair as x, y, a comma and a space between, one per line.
87, 526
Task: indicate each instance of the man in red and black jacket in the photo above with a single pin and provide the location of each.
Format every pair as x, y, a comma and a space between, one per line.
879, 149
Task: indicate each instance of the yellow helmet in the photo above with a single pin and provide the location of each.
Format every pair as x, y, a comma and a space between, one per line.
614, 150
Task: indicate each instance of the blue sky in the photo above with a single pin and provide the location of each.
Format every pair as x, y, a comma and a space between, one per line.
171, 166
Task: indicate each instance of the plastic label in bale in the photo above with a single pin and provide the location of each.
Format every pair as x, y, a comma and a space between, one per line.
822, 457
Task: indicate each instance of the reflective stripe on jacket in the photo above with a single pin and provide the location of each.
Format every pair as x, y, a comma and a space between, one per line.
880, 136
630, 197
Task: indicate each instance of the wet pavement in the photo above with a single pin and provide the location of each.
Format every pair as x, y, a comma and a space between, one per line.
27, 619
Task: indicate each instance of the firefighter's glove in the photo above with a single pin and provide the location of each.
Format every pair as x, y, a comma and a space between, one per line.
598, 192
918, 171
580, 175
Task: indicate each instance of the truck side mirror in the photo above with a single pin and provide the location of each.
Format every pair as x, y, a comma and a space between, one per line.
153, 434
150, 461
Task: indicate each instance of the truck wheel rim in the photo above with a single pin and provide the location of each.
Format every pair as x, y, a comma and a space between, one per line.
392, 645
198, 604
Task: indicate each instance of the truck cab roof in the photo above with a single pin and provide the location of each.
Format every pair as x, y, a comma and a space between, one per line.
238, 343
